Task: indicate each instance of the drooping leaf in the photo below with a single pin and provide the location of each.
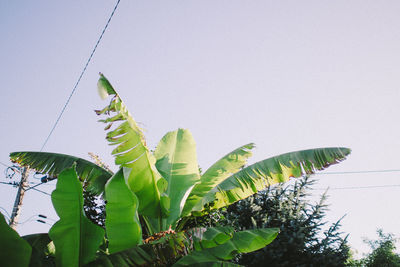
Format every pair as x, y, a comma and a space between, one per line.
122, 221
210, 237
54, 163
14, 251
132, 153
136, 256
75, 237
161, 252
177, 163
241, 242
218, 172
216, 264
104, 87
274, 170
42, 250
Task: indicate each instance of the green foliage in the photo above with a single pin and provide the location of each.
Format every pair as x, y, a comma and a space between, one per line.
301, 241
76, 239
122, 221
148, 198
42, 250
94, 177
270, 171
94, 208
177, 163
14, 251
226, 244
382, 254
132, 153
217, 173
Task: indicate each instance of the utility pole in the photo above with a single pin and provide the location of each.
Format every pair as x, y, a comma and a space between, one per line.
20, 196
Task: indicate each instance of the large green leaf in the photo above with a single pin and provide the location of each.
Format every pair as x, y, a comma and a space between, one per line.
241, 242
215, 264
75, 237
161, 252
218, 172
131, 152
42, 250
136, 256
277, 169
122, 221
210, 237
14, 251
54, 163
177, 163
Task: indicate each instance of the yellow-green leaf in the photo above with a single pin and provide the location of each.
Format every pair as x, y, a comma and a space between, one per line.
217, 173
274, 170
122, 221
177, 163
132, 153
75, 237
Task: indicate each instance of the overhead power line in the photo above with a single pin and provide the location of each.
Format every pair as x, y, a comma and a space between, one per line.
358, 172
4, 164
40, 191
80, 76
322, 173
6, 212
359, 187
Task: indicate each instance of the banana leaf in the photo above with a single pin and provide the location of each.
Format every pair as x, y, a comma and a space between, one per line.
177, 163
122, 221
54, 163
14, 251
218, 172
161, 252
138, 256
274, 170
75, 237
241, 242
104, 87
132, 153
216, 264
210, 237
42, 250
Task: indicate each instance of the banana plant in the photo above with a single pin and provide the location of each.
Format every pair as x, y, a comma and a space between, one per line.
150, 196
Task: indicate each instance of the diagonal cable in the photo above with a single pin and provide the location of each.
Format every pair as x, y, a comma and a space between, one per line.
80, 76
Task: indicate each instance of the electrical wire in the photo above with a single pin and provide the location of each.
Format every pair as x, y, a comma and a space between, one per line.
33, 183
10, 183
80, 76
8, 214
322, 173
14, 169
29, 219
39, 191
4, 164
35, 220
47, 218
48, 180
358, 172
360, 187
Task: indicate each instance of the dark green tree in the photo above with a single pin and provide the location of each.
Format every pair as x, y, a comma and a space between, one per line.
302, 240
94, 207
382, 254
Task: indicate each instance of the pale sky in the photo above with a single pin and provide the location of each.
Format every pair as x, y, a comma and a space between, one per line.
287, 75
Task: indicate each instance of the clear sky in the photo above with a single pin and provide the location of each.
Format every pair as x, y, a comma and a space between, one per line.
287, 75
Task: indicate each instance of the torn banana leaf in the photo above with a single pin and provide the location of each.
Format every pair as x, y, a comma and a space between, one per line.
274, 170
132, 154
53, 164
